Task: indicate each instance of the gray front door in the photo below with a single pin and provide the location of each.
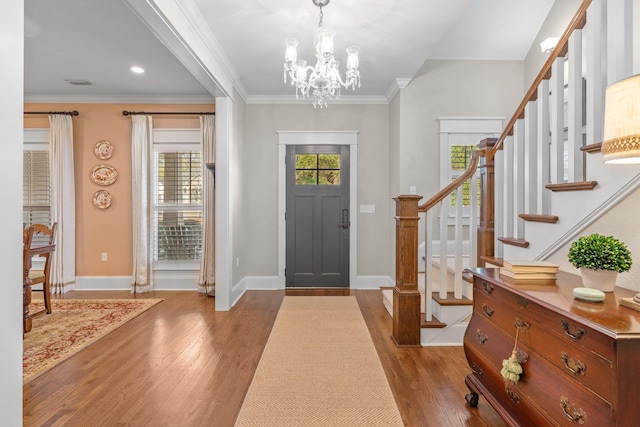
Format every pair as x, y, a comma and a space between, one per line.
317, 216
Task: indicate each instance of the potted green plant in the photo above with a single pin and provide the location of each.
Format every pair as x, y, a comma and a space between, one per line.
600, 259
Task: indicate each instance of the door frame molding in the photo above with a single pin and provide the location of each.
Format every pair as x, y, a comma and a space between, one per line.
349, 138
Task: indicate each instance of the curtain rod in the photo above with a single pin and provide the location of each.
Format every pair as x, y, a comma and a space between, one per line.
164, 113
69, 113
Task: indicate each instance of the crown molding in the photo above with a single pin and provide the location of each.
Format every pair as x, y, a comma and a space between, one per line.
395, 86
291, 99
119, 99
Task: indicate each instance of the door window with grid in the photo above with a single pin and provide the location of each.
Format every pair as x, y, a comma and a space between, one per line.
177, 192
36, 187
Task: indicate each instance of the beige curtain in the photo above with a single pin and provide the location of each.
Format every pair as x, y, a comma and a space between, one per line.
141, 182
63, 201
206, 280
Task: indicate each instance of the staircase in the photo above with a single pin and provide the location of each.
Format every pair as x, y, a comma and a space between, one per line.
542, 181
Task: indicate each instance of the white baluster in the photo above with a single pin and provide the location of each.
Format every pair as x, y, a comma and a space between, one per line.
428, 267
556, 105
596, 76
499, 211
457, 290
518, 178
543, 142
574, 106
530, 159
444, 223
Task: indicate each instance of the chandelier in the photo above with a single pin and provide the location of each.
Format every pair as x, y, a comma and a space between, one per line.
322, 82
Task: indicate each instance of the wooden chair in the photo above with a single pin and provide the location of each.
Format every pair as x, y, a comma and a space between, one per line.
48, 236
27, 238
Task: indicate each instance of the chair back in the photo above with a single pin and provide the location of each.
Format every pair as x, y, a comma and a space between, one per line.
27, 238
44, 234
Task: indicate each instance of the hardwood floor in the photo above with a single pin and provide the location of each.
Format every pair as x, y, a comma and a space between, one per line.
181, 363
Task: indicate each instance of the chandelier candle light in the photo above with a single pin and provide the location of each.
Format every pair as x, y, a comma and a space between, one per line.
322, 82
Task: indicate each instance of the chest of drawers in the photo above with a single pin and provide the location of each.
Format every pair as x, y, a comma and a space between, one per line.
581, 360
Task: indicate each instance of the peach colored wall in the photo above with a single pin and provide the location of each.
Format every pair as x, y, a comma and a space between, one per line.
107, 230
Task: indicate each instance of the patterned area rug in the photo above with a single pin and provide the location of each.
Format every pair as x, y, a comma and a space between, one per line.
72, 326
319, 368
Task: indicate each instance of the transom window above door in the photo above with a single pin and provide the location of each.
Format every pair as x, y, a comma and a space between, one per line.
317, 169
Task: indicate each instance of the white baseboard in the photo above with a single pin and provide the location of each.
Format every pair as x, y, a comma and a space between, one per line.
263, 283
179, 280
372, 282
102, 283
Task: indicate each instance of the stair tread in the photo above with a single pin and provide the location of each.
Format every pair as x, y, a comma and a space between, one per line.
434, 323
539, 218
451, 300
572, 186
514, 242
592, 148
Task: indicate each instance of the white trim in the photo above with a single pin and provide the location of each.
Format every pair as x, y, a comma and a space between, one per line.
36, 136
224, 215
176, 136
174, 280
372, 282
262, 283
471, 125
395, 86
271, 283
349, 138
291, 99
119, 99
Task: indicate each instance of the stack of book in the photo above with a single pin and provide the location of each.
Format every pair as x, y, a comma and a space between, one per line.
529, 270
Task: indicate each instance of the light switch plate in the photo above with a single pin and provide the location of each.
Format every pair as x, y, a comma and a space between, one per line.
368, 209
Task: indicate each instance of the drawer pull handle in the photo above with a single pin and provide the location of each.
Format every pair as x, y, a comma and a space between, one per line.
487, 310
521, 325
512, 394
575, 367
579, 333
488, 287
522, 302
575, 415
482, 338
476, 369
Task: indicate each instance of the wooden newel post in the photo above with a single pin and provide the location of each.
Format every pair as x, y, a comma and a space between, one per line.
487, 203
406, 297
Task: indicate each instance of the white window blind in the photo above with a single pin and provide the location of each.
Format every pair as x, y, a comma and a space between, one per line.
177, 202
36, 193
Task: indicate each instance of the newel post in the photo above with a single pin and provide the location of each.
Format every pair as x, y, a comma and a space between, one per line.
487, 203
406, 297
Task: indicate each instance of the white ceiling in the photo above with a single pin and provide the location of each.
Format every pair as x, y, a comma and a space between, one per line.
98, 40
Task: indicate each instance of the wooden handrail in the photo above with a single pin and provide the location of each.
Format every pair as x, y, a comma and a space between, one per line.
440, 195
561, 49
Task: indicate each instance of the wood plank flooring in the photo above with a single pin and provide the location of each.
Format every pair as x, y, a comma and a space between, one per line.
181, 363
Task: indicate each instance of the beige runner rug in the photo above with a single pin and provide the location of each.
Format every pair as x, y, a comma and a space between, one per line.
319, 368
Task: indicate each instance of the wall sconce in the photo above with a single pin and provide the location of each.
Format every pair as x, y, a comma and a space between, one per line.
621, 143
549, 44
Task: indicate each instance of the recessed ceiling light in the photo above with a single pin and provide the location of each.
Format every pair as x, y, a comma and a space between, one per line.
137, 70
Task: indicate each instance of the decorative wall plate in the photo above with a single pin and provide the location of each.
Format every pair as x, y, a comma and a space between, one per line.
104, 174
102, 199
103, 150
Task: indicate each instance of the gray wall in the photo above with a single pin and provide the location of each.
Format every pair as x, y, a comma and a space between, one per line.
557, 21
260, 177
446, 88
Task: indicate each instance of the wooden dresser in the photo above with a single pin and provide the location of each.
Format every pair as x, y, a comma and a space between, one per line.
581, 360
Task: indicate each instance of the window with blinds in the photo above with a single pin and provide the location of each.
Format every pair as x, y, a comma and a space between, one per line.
177, 205
36, 193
